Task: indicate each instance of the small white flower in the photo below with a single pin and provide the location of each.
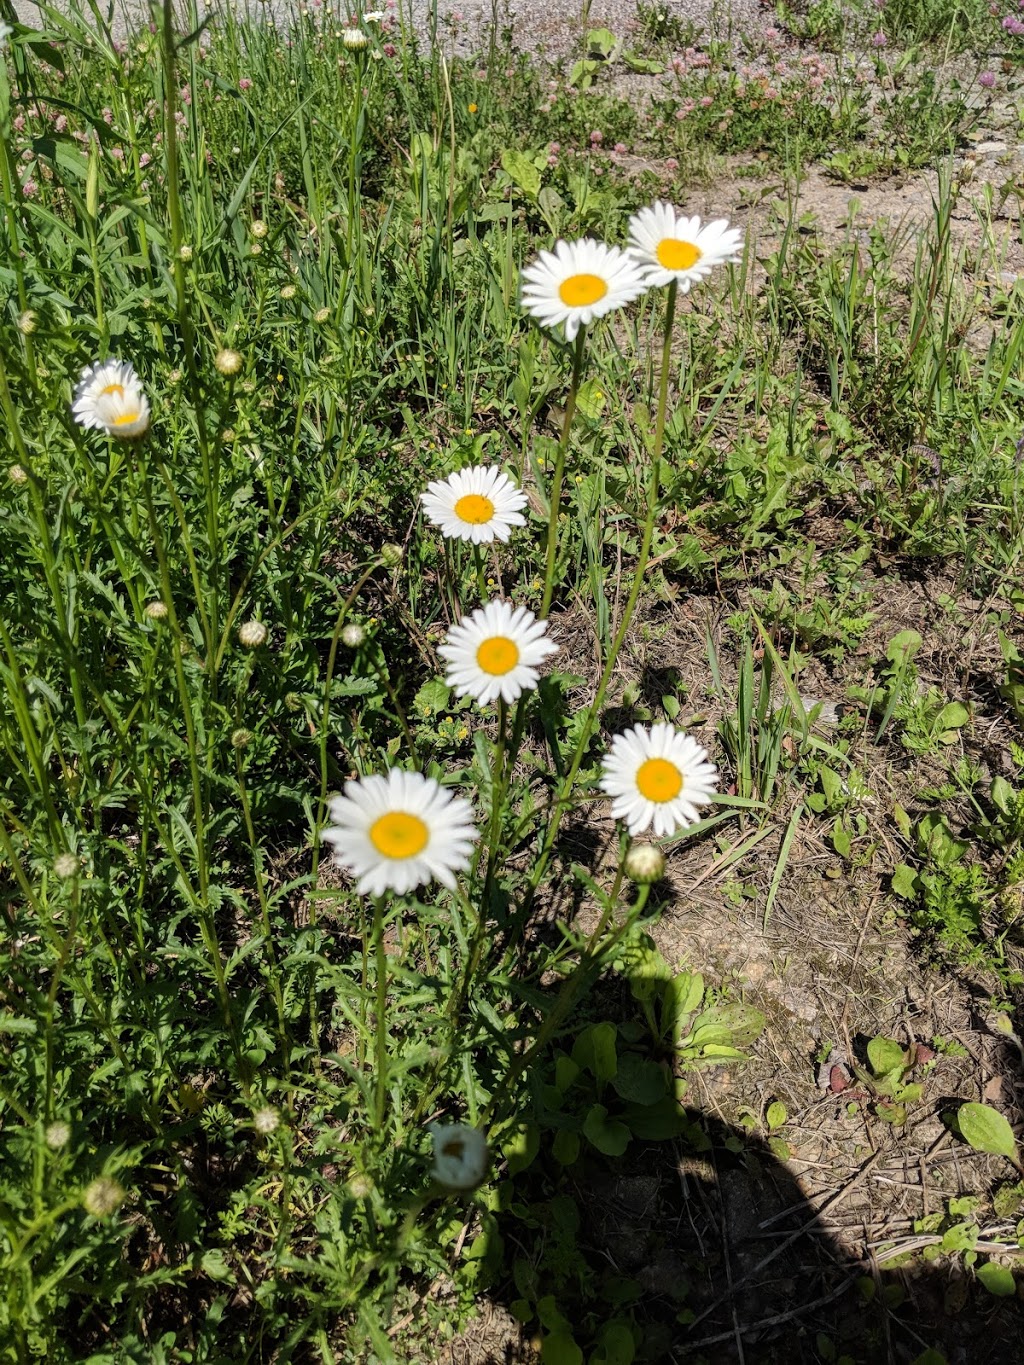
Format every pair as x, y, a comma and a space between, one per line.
353, 634
578, 282
5, 32
657, 777
354, 39
109, 398
266, 1120
668, 246
460, 1155
496, 652
479, 504
374, 16
57, 1135
396, 832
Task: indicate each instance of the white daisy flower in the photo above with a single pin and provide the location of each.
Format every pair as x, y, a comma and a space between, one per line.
396, 832
460, 1155
374, 16
479, 504
578, 282
496, 652
668, 246
109, 398
657, 777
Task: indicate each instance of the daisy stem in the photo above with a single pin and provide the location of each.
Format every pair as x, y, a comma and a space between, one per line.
381, 1022
498, 776
593, 714
555, 492
481, 577
591, 959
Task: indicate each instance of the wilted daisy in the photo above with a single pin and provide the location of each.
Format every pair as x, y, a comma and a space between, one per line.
460, 1155
496, 652
109, 398
657, 778
399, 831
479, 504
354, 39
668, 246
578, 282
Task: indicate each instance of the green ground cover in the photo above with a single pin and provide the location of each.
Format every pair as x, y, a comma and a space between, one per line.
219, 1061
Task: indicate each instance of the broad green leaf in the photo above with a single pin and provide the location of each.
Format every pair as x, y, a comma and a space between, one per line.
521, 170
639, 1080
777, 1115
986, 1130
997, 1279
885, 1055
607, 1135
560, 1349
595, 1051
904, 882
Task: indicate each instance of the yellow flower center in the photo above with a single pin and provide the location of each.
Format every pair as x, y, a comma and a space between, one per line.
474, 508
659, 780
399, 835
578, 291
498, 655
113, 388
126, 418
676, 255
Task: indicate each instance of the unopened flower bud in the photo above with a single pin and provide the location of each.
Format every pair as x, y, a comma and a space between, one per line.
259, 228
155, 611
228, 361
57, 1135
252, 634
103, 1197
266, 1120
391, 555
288, 292
645, 864
28, 322
66, 865
241, 739
17, 474
353, 635
354, 39
321, 315
185, 253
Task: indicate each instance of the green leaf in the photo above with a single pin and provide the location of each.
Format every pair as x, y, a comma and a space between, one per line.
952, 716
615, 1345
608, 1136
560, 1349
594, 1050
639, 1080
566, 1146
997, 1279
521, 1147
903, 647
432, 697
904, 882
777, 1115
521, 170
986, 1130
885, 1055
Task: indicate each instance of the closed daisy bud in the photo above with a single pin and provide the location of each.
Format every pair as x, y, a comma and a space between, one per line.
460, 1155
57, 1135
266, 1120
354, 39
259, 228
644, 864
185, 253
66, 865
321, 315
252, 634
28, 322
288, 292
103, 1197
155, 611
353, 635
241, 739
228, 361
391, 555
17, 474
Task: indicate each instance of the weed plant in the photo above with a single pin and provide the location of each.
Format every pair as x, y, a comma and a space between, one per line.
248, 1109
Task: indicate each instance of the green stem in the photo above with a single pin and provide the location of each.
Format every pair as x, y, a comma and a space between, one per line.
555, 492
381, 1022
564, 792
